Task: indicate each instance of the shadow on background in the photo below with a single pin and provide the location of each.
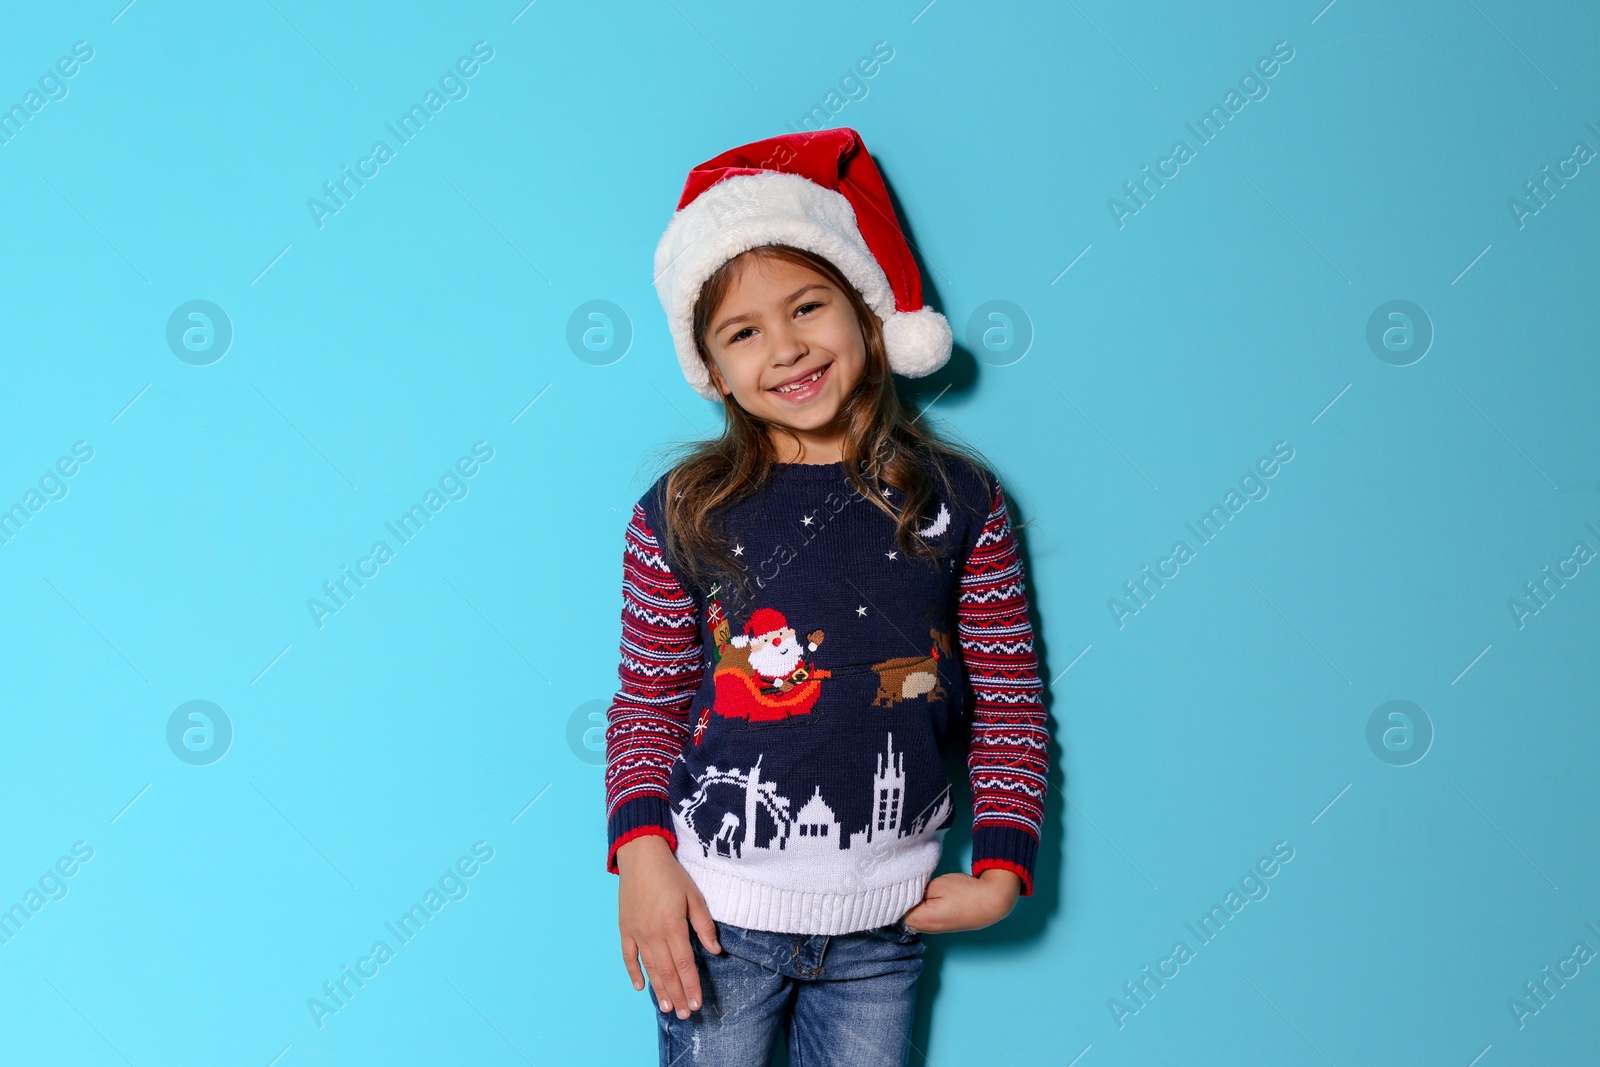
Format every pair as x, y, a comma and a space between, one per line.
1027, 920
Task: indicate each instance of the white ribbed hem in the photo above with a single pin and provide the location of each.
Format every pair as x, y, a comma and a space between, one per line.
732, 899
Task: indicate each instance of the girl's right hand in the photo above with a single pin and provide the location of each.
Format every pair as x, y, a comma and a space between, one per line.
655, 897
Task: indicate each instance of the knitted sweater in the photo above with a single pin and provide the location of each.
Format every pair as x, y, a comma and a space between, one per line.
789, 744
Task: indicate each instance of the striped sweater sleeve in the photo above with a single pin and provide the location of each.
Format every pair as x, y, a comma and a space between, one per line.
1008, 757
659, 672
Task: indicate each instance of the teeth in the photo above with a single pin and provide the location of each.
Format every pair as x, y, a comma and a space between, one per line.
802, 383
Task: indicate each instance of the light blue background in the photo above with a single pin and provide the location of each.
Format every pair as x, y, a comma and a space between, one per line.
1228, 314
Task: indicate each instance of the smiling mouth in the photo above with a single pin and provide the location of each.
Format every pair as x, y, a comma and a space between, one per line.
804, 385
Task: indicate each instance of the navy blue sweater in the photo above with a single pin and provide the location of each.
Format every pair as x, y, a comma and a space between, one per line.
788, 741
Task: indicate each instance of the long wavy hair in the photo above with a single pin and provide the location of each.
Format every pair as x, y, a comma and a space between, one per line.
884, 444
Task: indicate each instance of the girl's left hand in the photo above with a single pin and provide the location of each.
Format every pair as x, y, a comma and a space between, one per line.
961, 902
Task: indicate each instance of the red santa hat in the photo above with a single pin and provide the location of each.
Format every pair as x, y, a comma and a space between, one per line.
818, 191
764, 621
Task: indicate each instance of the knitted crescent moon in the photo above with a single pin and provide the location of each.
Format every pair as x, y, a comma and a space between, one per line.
940, 523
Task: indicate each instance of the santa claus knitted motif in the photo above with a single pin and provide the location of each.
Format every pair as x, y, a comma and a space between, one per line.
817, 191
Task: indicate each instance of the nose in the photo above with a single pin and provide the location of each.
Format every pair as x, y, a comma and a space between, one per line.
788, 347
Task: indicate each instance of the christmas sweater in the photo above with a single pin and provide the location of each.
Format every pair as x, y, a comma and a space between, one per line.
789, 742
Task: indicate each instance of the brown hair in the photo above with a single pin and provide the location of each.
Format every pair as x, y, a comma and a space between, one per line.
883, 444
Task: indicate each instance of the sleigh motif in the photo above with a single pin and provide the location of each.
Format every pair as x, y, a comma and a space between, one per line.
741, 695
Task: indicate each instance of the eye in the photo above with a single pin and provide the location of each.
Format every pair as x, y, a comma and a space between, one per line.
735, 338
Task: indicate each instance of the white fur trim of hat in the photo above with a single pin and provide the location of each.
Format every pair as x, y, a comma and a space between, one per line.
761, 206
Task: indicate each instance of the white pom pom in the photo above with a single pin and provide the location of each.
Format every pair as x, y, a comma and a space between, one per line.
918, 342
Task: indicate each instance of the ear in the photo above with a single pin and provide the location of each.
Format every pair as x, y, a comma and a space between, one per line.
716, 377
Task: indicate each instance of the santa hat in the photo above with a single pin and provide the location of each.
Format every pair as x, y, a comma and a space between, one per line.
817, 191
763, 621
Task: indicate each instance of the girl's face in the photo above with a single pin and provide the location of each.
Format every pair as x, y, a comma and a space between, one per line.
786, 344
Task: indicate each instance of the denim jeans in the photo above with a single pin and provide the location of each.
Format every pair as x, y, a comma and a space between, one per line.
846, 999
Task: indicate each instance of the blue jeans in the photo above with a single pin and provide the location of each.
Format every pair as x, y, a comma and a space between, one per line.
848, 1000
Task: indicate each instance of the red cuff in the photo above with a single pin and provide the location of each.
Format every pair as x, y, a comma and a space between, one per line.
1006, 865
637, 831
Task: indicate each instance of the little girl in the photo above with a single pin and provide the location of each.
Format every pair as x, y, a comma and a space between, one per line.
814, 603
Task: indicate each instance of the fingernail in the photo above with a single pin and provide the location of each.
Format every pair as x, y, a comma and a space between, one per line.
665, 1006
694, 1005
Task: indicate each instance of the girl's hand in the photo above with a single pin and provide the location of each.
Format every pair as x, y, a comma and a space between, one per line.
655, 896
961, 902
